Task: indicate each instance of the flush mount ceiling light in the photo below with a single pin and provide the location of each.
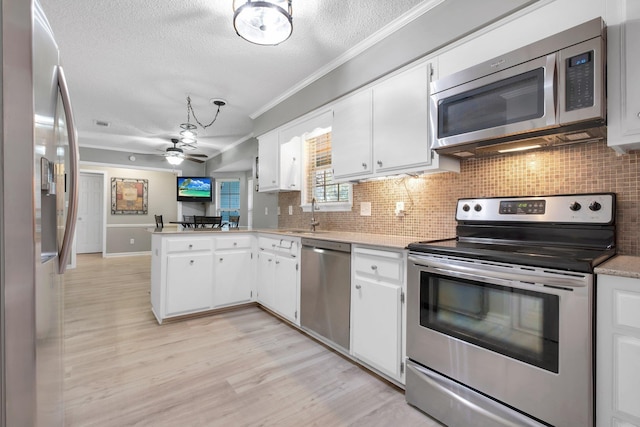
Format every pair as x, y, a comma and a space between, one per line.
188, 133
263, 22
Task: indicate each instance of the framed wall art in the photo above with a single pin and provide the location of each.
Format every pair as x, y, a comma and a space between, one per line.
129, 196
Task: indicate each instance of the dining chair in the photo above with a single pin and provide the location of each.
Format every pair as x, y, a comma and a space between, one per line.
159, 222
208, 221
188, 221
234, 221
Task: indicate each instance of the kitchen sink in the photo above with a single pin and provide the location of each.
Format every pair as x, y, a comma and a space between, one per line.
304, 232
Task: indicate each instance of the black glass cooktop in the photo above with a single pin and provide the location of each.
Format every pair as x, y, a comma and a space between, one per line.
559, 257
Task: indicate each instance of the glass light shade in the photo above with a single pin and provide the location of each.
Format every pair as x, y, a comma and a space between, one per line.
264, 22
187, 140
174, 160
188, 134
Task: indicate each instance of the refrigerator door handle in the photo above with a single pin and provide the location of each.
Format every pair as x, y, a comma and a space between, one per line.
72, 211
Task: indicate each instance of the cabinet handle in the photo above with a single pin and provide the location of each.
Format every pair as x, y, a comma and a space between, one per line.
374, 267
192, 262
358, 286
235, 243
379, 163
221, 259
364, 165
273, 182
270, 260
277, 262
190, 246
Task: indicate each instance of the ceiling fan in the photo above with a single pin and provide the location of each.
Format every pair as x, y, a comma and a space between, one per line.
175, 155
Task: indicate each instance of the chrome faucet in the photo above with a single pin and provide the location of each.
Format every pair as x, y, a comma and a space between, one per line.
313, 219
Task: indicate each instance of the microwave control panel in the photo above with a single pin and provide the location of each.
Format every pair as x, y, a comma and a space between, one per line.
580, 75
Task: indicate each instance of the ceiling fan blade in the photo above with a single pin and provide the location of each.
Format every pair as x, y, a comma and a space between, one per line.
193, 159
197, 155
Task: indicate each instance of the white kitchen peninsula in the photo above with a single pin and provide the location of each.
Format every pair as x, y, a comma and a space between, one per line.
202, 271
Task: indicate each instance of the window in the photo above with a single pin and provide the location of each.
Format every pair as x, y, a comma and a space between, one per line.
318, 175
228, 198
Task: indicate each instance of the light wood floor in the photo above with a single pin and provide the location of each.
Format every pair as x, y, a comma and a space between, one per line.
240, 368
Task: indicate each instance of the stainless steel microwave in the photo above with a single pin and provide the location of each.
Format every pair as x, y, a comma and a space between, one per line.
549, 92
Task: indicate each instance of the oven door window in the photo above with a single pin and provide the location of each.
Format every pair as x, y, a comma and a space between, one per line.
512, 100
518, 323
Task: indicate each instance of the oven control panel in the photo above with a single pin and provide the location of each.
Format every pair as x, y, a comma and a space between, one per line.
596, 208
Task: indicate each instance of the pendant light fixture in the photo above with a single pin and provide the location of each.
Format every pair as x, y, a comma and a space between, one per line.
188, 133
263, 22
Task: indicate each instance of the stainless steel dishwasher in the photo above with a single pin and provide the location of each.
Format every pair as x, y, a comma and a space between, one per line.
325, 290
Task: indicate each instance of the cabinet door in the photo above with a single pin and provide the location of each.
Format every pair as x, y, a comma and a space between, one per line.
290, 164
268, 161
401, 122
351, 136
265, 281
287, 287
376, 321
623, 63
618, 351
233, 278
189, 283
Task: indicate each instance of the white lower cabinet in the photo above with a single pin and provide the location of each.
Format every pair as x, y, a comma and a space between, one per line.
189, 278
279, 276
377, 310
234, 267
618, 352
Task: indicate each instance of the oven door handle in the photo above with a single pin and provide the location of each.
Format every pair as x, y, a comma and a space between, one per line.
475, 273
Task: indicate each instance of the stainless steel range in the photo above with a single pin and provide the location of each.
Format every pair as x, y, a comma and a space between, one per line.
500, 318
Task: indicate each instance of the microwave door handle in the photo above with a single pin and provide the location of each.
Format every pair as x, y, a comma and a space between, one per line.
551, 90
72, 211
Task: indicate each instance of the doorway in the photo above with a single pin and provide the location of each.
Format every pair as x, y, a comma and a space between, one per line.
89, 228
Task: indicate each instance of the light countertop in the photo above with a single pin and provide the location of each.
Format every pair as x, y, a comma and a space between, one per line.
382, 240
621, 265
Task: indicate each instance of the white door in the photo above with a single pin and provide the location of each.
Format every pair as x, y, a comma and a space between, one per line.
90, 213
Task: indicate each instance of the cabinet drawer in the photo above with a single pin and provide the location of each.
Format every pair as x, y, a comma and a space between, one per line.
268, 243
233, 242
379, 264
189, 245
280, 246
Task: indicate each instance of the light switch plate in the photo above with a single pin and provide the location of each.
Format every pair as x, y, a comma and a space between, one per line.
365, 209
290, 210
278, 210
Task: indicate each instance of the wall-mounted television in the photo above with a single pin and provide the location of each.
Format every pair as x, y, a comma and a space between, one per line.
194, 188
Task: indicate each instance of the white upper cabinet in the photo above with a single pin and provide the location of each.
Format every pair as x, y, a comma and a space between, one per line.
279, 162
269, 161
623, 64
384, 129
351, 137
280, 152
401, 122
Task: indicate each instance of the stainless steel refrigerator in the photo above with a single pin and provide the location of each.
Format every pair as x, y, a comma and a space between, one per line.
38, 199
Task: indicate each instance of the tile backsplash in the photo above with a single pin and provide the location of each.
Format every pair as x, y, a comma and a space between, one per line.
430, 200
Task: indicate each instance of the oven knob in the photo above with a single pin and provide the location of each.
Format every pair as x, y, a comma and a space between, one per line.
575, 206
595, 206
477, 208
466, 208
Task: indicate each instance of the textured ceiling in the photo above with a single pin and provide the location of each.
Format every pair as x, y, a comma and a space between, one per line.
132, 63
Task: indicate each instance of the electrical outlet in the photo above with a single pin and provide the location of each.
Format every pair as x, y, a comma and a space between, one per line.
365, 208
132, 241
399, 209
266, 210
